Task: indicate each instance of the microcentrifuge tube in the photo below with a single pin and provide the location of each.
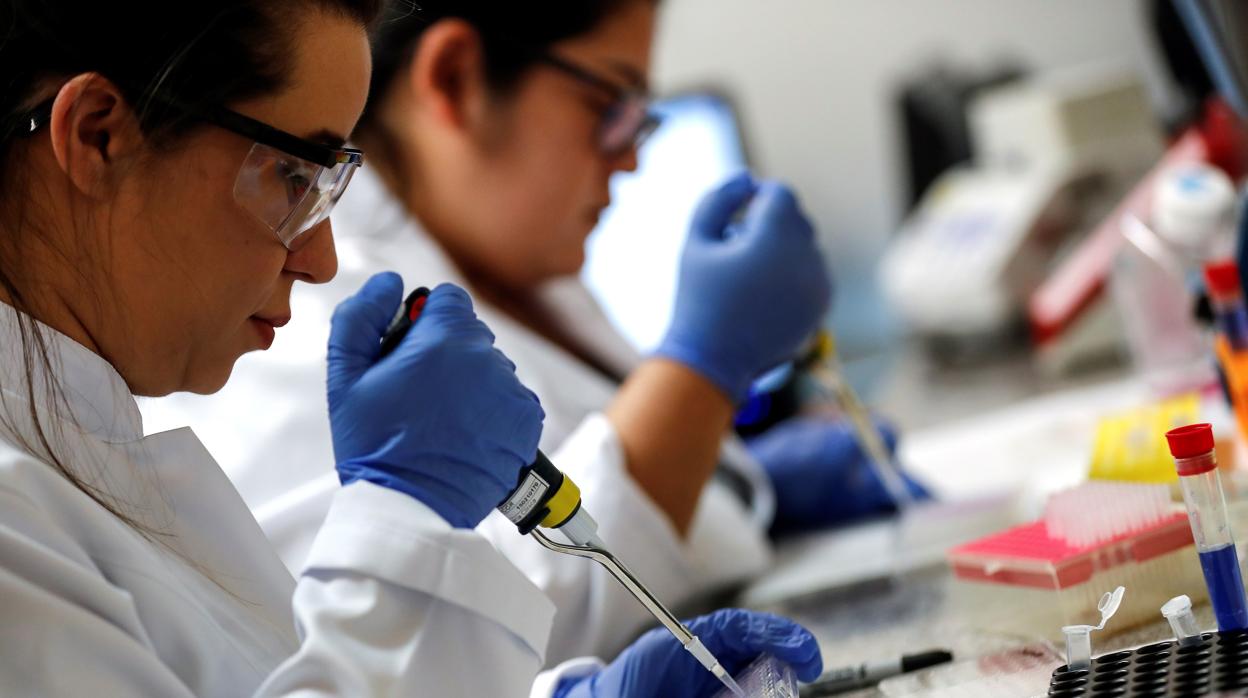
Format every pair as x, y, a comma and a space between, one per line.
1178, 611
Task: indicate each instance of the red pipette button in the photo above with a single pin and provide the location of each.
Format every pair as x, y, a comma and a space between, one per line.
1222, 278
418, 307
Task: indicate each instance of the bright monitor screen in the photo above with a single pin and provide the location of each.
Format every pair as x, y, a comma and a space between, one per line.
632, 255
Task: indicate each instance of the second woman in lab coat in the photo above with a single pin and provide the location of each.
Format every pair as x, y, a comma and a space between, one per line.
499, 125
166, 172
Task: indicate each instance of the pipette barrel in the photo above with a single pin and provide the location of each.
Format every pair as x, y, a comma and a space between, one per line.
1192, 448
1227, 298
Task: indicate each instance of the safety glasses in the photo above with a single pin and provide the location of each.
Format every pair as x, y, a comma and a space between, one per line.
628, 122
289, 183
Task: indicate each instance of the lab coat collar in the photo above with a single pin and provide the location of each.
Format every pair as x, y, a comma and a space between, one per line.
96, 398
372, 225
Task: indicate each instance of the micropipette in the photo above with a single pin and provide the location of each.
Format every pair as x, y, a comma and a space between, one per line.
824, 366
545, 497
622, 574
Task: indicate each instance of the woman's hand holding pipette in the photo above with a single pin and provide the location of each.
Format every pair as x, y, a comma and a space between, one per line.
656, 666
443, 418
821, 474
750, 291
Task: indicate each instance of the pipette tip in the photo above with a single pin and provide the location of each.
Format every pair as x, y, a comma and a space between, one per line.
731, 683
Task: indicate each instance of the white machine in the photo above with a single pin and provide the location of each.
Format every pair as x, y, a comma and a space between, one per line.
986, 233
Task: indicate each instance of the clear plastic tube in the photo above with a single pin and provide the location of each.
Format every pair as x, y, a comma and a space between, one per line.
1211, 528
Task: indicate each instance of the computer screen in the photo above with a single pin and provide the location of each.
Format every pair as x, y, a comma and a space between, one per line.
632, 255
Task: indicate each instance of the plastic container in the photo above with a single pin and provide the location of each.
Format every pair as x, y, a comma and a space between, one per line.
765, 677
1178, 612
1031, 580
1215, 663
1156, 302
1193, 450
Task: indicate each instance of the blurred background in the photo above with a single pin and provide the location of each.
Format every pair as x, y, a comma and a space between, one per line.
954, 155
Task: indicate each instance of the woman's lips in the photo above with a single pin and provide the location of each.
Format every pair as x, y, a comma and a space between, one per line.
267, 328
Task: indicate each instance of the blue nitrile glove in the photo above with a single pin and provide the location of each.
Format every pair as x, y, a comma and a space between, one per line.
749, 293
656, 666
820, 473
443, 418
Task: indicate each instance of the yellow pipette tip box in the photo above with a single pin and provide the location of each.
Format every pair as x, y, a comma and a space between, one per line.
1131, 446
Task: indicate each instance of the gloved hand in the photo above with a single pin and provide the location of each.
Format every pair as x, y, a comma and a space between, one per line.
443, 418
656, 666
820, 473
750, 293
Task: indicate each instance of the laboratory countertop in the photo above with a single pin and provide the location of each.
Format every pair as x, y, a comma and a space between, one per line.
1017, 454
918, 611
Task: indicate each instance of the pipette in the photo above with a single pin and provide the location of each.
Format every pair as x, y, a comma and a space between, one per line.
545, 497
622, 574
823, 365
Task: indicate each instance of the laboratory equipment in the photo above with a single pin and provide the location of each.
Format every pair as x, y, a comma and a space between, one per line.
871, 673
1156, 280
985, 234
1227, 298
1068, 298
1194, 213
765, 677
1096, 536
1178, 612
1018, 671
545, 497
1193, 450
1079, 637
1216, 664
1219, 27
1131, 446
1156, 307
823, 365
1231, 343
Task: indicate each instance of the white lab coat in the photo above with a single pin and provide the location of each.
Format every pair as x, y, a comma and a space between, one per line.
393, 602
269, 430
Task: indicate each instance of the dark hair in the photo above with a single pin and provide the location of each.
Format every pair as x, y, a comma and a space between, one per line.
513, 34
160, 54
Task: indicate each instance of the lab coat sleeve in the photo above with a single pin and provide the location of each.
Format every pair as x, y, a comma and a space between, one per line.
394, 601
595, 614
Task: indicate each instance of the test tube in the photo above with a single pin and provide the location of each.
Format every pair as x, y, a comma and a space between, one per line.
1192, 448
1178, 611
1078, 647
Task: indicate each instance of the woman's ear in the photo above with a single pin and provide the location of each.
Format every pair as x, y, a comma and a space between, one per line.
447, 74
93, 130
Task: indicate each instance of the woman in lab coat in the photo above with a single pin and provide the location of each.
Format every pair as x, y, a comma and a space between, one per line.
531, 107
159, 197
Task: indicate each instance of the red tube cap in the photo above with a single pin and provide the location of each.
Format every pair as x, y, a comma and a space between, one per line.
1222, 277
1190, 441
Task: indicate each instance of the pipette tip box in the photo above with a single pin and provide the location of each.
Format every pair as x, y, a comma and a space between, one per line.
1025, 581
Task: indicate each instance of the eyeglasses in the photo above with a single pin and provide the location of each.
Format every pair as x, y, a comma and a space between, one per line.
628, 122
289, 183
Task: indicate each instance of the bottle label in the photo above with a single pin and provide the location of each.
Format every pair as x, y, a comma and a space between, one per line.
525, 498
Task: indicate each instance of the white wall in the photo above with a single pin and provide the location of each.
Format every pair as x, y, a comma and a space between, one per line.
815, 81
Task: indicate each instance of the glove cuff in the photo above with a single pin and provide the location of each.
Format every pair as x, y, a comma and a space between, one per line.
732, 383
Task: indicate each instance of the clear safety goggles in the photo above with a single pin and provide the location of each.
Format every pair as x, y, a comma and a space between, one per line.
289, 183
289, 194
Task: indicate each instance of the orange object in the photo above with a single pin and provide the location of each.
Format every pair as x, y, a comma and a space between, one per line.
1235, 368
